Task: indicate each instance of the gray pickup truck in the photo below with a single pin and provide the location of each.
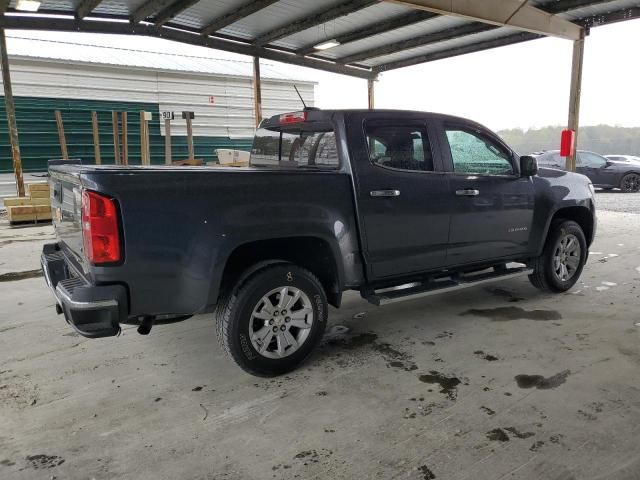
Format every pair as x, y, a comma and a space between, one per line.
393, 204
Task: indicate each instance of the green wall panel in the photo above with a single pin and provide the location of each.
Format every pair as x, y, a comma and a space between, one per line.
39, 136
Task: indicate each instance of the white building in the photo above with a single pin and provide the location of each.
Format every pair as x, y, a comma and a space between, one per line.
77, 74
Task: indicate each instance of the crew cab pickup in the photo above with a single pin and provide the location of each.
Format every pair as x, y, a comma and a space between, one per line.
393, 204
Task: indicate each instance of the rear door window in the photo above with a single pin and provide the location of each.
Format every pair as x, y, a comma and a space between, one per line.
398, 146
295, 149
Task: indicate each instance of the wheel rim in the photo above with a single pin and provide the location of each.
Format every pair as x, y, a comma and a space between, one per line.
566, 258
631, 183
280, 322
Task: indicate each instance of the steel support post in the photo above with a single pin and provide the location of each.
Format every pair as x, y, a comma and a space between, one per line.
257, 91
574, 98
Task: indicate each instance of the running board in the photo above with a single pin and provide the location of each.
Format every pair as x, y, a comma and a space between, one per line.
447, 284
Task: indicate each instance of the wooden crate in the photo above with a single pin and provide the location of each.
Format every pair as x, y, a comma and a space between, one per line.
17, 201
41, 201
39, 194
35, 207
26, 201
37, 187
197, 162
29, 213
233, 164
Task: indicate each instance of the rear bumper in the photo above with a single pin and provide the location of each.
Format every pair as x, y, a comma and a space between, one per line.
93, 311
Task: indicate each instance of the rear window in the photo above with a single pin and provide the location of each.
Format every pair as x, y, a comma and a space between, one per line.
294, 149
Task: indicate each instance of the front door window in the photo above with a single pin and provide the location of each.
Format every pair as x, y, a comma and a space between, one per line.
591, 160
473, 153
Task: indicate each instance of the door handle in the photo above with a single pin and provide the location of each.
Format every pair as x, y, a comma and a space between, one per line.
384, 193
468, 192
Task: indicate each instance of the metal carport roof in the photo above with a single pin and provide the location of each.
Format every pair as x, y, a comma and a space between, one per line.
372, 36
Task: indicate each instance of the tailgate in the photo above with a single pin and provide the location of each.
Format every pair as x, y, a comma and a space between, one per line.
66, 197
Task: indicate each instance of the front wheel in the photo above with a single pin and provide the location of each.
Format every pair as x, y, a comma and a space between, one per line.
562, 260
271, 322
630, 183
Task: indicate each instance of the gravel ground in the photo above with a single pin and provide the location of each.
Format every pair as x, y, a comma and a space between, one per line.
616, 201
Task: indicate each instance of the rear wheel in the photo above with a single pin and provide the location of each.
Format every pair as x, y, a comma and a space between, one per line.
271, 322
630, 183
563, 258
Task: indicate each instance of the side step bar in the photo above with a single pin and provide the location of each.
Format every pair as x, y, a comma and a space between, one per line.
442, 285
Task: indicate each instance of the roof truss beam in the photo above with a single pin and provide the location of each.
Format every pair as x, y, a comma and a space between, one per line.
421, 41
148, 8
554, 5
172, 10
602, 19
312, 20
474, 47
512, 13
66, 24
238, 14
405, 20
611, 17
86, 7
561, 6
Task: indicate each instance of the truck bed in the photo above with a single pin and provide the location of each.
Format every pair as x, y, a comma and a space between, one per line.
179, 224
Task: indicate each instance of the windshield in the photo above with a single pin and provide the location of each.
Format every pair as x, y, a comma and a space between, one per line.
294, 149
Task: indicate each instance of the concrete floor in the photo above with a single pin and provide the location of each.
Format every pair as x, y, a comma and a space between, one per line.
486, 383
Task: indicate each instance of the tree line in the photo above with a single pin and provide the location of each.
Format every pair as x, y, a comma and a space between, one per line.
602, 139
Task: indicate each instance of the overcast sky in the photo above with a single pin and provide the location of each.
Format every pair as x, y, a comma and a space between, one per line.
525, 85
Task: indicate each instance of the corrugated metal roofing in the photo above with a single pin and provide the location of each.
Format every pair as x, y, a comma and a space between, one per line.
499, 32
98, 51
405, 33
319, 20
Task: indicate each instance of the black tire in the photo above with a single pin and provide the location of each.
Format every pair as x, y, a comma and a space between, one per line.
544, 276
235, 309
630, 183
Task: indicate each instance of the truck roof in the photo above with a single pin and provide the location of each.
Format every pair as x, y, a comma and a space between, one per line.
321, 115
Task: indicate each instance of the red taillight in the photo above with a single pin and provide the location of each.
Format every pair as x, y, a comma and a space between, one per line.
100, 229
294, 117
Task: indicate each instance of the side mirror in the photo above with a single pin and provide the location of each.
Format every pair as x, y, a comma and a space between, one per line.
608, 163
528, 166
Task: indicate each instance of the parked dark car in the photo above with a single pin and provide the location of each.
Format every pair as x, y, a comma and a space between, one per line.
603, 172
393, 204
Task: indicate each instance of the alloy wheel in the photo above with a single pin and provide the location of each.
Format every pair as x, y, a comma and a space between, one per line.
631, 183
281, 322
566, 257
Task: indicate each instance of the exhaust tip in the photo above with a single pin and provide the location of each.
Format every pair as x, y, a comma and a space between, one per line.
144, 329
145, 325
